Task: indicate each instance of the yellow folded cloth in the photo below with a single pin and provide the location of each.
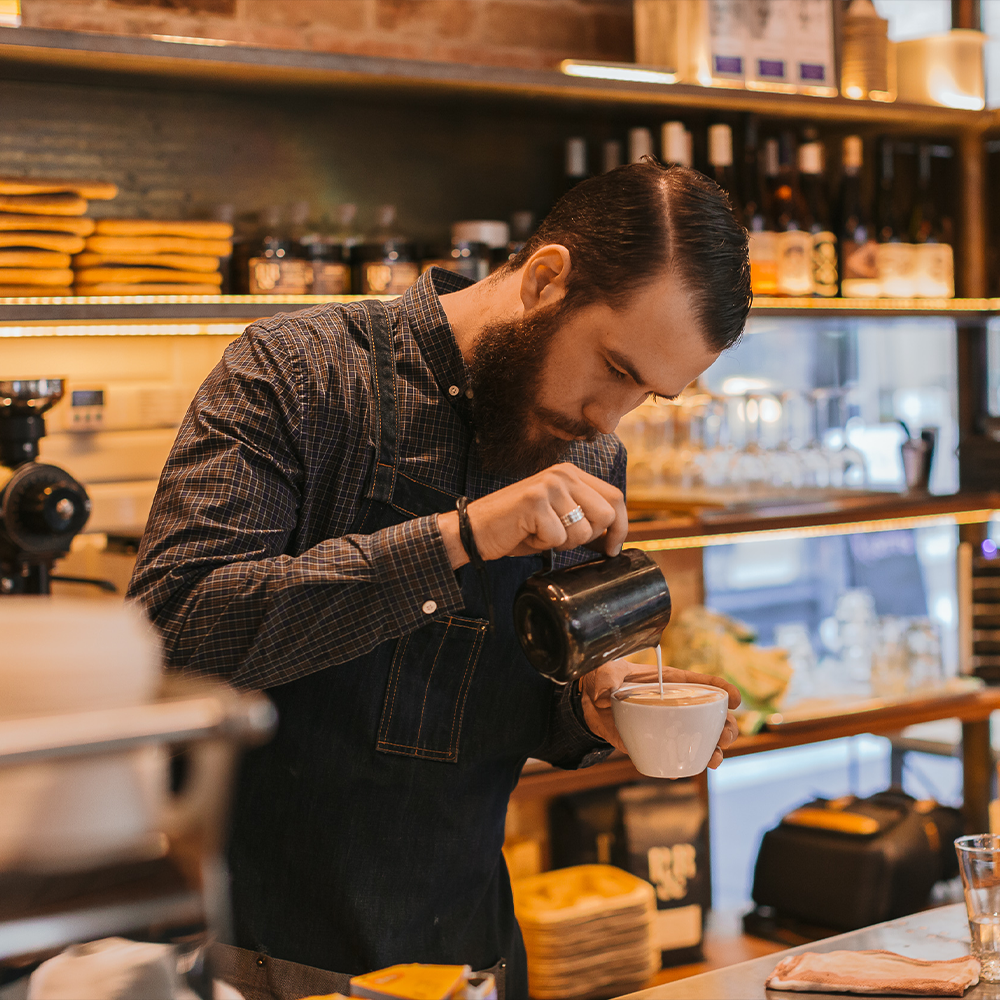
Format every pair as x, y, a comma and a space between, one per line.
874, 972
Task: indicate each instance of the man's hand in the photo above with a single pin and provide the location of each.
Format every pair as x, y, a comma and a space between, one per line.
597, 686
525, 518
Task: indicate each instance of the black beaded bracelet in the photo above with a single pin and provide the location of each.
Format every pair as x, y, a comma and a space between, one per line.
469, 544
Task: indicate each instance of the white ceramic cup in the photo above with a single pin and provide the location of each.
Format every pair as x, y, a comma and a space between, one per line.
60, 656
675, 737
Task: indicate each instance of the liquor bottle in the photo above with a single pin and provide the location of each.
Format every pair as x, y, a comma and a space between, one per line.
675, 141
794, 241
522, 225
387, 260
858, 267
763, 227
720, 158
611, 155
347, 232
322, 247
816, 219
640, 144
274, 267
574, 163
893, 256
933, 261
751, 193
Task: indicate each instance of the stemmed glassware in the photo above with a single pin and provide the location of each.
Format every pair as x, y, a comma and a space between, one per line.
743, 446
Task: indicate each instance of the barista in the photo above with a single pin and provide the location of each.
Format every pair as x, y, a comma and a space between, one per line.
305, 540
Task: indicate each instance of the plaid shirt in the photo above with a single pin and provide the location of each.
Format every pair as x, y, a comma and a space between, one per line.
248, 566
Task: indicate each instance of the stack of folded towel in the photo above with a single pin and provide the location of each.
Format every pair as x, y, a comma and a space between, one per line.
877, 972
42, 223
151, 257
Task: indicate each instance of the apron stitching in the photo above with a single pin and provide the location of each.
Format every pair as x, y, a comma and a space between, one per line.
393, 679
430, 675
469, 668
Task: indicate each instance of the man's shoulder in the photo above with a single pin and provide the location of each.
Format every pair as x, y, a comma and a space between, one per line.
334, 327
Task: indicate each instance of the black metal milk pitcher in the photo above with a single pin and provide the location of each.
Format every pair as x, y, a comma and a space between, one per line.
573, 620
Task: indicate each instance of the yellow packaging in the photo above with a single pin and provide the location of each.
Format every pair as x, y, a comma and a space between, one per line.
411, 982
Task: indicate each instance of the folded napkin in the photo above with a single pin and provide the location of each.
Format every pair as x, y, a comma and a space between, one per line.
874, 972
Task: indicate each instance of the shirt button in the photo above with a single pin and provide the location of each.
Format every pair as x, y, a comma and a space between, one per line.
468, 394
429, 607
453, 390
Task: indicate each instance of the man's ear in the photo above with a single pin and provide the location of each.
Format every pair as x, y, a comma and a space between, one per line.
544, 277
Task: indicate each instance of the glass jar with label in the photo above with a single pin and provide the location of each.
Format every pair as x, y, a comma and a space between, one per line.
387, 262
322, 248
275, 268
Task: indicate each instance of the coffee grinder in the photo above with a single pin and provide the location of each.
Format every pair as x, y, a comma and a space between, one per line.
42, 507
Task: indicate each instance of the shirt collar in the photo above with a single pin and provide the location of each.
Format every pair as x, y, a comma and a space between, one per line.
433, 334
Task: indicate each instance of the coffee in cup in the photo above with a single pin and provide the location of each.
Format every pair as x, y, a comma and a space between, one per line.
673, 735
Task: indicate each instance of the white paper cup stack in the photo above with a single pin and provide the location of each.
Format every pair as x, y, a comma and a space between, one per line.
588, 932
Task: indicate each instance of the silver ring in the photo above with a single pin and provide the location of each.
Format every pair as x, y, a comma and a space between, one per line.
576, 514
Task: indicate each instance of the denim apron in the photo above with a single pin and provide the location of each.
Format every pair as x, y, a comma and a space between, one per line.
369, 831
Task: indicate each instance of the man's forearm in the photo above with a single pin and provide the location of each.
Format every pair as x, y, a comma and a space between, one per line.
261, 622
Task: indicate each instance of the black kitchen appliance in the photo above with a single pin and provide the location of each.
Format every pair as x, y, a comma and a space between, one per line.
42, 507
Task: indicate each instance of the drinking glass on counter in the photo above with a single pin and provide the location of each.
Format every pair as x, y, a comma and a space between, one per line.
979, 863
745, 446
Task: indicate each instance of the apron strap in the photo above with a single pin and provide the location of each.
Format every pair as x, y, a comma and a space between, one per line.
383, 365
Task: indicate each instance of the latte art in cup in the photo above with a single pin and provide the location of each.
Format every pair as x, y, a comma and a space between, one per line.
671, 696
673, 736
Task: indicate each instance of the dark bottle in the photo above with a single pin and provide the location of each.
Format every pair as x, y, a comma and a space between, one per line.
794, 242
275, 268
611, 155
720, 158
522, 225
889, 228
893, 255
752, 194
387, 261
933, 261
575, 167
858, 266
640, 144
322, 248
763, 227
816, 219
675, 141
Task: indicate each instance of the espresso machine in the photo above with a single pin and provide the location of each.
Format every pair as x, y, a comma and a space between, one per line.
42, 507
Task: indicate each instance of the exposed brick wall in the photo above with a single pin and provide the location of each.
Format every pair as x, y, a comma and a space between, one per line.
525, 33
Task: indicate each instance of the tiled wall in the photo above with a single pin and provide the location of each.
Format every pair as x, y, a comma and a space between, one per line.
175, 153
527, 33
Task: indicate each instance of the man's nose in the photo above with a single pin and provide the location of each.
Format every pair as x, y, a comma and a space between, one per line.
603, 418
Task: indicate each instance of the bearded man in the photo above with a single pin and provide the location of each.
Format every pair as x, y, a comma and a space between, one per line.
305, 540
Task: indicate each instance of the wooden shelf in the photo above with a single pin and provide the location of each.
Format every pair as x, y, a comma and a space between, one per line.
43, 311
837, 516
48, 54
192, 308
540, 780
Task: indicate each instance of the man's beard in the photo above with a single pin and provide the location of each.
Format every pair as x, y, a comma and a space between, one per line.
506, 372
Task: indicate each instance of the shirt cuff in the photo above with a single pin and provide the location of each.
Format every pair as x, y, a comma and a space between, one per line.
415, 570
572, 744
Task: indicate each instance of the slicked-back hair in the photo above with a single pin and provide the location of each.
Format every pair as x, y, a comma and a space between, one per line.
626, 228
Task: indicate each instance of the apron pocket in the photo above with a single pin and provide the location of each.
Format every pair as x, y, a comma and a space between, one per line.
428, 686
